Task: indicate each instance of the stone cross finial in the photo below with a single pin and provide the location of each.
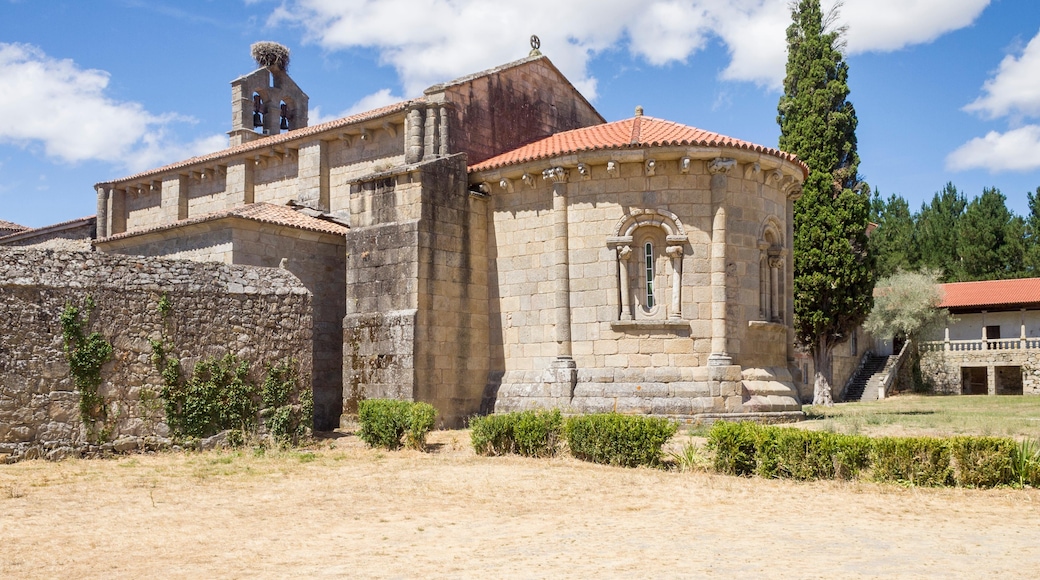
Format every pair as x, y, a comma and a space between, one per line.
639, 110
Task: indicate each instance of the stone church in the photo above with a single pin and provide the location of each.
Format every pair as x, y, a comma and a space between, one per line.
497, 245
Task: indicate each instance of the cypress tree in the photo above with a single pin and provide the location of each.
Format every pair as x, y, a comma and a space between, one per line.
833, 271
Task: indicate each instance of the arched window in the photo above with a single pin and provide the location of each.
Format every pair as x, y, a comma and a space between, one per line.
772, 272
649, 247
648, 270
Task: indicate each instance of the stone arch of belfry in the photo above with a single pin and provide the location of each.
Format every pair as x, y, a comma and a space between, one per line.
622, 239
772, 270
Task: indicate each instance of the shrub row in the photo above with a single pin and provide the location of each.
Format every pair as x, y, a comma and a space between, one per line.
784, 452
384, 422
529, 433
611, 438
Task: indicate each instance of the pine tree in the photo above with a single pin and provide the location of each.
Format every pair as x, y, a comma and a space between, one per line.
892, 242
833, 272
989, 239
937, 232
1031, 253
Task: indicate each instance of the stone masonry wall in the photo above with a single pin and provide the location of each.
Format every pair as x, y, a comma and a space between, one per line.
262, 315
502, 110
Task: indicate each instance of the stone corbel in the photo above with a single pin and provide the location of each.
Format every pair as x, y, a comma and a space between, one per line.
389, 128
684, 165
484, 188
651, 167
506, 185
366, 135
584, 171
751, 170
721, 165
528, 179
774, 177
613, 168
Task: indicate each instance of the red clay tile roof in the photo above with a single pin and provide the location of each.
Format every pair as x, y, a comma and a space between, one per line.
963, 295
6, 225
275, 139
639, 131
267, 213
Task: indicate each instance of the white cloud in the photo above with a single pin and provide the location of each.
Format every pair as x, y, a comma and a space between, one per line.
889, 25
380, 98
65, 108
431, 41
1015, 150
1015, 88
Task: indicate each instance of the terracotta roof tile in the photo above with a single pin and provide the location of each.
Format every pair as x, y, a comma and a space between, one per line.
639, 131
274, 140
991, 293
267, 213
6, 225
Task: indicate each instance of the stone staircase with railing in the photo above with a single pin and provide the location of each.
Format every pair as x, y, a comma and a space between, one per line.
863, 386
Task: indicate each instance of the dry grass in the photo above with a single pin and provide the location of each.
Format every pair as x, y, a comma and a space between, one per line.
342, 510
1017, 417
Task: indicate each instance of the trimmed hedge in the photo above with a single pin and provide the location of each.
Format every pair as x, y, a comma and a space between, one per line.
385, 421
528, 433
912, 460
775, 452
615, 439
784, 452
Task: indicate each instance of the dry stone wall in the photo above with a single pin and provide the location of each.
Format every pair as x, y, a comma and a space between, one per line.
259, 314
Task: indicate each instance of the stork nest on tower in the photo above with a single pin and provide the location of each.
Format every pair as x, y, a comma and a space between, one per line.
270, 54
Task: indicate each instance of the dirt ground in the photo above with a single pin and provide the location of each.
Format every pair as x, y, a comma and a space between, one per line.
345, 511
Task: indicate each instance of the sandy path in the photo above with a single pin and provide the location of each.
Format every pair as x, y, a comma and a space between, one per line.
352, 512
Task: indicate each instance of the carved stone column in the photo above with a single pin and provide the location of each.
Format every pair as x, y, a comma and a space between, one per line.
676, 254
103, 191
414, 131
776, 263
564, 370
719, 333
623, 254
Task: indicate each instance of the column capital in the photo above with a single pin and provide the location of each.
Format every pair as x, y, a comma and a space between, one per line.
555, 174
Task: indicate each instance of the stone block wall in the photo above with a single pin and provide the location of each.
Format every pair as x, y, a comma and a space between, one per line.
943, 368
261, 315
416, 318
505, 108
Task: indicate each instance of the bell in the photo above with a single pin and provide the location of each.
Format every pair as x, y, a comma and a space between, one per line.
258, 121
284, 124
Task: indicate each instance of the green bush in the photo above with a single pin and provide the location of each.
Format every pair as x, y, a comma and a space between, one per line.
734, 447
615, 439
798, 454
776, 452
493, 434
912, 460
983, 461
385, 421
421, 418
538, 433
529, 433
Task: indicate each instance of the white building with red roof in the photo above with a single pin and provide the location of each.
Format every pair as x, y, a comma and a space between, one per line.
993, 344
496, 245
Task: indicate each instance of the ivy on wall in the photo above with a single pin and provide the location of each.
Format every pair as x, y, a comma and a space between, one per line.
86, 354
220, 396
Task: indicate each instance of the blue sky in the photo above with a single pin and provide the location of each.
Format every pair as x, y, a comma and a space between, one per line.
945, 90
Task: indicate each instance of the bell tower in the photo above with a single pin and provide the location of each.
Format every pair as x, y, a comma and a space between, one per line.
266, 101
